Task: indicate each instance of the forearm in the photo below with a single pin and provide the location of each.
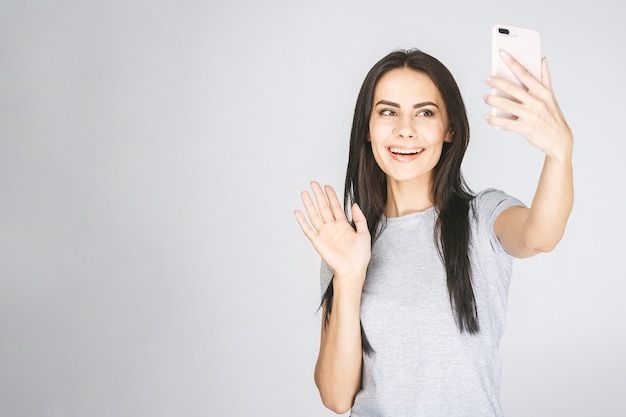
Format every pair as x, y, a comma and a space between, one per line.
552, 203
338, 369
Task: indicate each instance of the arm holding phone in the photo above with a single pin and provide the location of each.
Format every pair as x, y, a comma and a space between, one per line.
535, 115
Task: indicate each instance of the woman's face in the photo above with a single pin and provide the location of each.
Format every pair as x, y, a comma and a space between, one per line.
408, 125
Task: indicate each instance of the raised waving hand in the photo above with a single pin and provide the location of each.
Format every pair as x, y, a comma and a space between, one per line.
347, 251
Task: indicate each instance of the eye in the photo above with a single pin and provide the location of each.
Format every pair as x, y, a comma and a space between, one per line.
425, 113
387, 112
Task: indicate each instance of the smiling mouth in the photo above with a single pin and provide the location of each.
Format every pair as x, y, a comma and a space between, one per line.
405, 151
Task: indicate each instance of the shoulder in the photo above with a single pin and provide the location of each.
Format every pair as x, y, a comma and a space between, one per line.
490, 203
486, 207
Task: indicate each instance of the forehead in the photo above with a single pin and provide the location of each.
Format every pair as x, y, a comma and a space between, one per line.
406, 83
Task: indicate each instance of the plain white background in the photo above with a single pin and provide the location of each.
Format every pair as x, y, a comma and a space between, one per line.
152, 154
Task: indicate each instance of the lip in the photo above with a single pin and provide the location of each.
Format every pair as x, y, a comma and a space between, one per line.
408, 157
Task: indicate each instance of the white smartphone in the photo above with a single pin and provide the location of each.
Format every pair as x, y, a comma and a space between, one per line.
523, 44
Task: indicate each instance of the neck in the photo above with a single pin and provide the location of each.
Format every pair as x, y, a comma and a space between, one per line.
407, 197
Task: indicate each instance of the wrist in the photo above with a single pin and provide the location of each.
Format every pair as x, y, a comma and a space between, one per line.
562, 150
349, 285
562, 156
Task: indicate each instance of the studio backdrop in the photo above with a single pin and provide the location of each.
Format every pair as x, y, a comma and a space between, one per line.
152, 154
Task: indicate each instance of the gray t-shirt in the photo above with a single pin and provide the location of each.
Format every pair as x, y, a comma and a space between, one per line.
422, 365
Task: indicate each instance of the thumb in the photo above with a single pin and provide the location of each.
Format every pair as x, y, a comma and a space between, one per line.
545, 73
359, 219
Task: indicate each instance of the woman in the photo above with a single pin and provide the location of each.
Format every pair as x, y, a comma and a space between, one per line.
415, 284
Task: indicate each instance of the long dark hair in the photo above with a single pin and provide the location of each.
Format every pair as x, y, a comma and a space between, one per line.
366, 183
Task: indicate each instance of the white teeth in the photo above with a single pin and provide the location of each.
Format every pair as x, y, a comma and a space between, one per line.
405, 151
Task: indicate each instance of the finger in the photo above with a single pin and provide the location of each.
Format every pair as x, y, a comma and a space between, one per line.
311, 211
359, 219
322, 202
333, 200
509, 88
546, 79
535, 87
501, 103
501, 122
521, 72
309, 232
510, 106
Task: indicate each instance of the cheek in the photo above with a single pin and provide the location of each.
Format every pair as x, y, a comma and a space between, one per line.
377, 153
371, 132
377, 133
437, 136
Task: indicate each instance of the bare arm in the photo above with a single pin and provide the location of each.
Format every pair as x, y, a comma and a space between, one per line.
338, 368
347, 252
525, 232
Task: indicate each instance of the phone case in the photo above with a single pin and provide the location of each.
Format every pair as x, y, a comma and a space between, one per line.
524, 44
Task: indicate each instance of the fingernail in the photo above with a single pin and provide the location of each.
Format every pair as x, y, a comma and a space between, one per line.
505, 55
487, 79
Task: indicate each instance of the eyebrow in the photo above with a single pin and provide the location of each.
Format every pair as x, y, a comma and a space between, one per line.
415, 106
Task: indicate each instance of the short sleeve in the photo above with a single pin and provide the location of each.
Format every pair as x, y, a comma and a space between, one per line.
488, 205
326, 275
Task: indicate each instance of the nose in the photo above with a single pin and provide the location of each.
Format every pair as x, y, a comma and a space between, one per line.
404, 129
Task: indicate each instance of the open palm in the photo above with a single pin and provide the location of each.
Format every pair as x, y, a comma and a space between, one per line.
346, 251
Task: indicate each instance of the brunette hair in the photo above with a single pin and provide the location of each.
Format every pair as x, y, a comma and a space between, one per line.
366, 183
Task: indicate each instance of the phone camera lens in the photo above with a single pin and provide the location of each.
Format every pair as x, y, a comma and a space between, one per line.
503, 31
